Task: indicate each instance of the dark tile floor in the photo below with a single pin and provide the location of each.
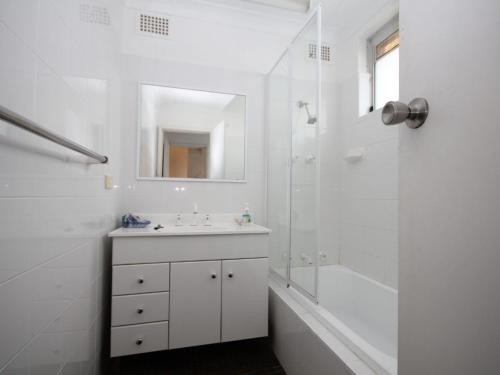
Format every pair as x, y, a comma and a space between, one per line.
249, 357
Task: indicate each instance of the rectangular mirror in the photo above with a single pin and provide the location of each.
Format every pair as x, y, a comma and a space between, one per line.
191, 134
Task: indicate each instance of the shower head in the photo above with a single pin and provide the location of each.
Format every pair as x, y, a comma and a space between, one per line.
310, 119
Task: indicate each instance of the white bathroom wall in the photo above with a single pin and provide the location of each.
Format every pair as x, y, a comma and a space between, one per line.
368, 210
236, 35
178, 197
57, 68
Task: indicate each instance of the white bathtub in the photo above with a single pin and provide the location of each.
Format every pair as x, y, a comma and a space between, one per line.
360, 312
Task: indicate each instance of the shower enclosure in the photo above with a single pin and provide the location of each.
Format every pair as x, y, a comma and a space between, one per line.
294, 159
333, 191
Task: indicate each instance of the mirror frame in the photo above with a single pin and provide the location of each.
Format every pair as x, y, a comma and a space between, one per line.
177, 179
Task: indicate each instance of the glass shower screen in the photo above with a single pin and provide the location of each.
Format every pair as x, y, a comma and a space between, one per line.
293, 136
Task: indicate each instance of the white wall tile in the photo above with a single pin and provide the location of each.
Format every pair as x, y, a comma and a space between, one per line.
370, 187
52, 243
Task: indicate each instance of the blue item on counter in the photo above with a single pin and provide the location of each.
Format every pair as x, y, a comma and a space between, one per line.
134, 221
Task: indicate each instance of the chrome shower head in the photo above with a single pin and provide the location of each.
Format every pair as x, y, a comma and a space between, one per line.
311, 120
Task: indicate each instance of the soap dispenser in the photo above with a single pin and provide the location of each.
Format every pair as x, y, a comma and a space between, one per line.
246, 218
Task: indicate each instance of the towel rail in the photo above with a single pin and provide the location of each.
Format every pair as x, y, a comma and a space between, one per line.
28, 125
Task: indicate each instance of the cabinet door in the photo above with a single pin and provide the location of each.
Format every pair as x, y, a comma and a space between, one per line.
195, 298
244, 298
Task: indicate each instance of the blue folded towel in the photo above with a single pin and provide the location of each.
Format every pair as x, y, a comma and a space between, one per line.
134, 221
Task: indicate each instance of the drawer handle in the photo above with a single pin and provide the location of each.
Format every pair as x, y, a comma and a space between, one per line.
214, 275
140, 310
138, 342
230, 275
140, 280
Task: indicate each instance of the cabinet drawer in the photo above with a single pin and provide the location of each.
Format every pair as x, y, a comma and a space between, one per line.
141, 278
140, 338
139, 308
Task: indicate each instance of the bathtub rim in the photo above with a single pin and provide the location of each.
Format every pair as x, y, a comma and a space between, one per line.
380, 362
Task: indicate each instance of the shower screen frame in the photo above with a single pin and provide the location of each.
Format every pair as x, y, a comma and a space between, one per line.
314, 16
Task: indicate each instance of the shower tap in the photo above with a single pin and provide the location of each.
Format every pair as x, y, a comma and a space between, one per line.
310, 119
306, 259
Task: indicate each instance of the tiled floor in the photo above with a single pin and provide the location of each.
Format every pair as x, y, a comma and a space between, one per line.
249, 357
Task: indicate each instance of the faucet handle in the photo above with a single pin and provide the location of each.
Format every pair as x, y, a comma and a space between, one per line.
207, 220
178, 221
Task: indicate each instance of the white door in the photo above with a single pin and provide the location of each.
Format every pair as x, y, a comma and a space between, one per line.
195, 298
449, 273
244, 298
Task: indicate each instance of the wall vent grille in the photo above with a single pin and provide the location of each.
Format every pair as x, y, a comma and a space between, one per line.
94, 14
326, 54
156, 25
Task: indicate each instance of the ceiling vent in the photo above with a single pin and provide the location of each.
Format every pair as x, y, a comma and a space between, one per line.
326, 54
94, 14
153, 25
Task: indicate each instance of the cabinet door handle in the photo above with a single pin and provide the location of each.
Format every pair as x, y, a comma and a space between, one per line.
230, 275
140, 310
214, 275
139, 341
140, 280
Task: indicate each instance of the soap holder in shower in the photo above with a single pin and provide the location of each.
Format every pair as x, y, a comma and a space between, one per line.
354, 155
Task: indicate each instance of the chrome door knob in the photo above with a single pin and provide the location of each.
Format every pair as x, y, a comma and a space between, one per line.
413, 114
230, 275
213, 276
140, 310
139, 341
140, 280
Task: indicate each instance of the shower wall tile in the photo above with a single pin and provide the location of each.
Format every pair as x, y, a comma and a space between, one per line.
55, 211
369, 192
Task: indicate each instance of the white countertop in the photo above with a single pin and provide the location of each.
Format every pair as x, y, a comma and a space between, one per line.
190, 230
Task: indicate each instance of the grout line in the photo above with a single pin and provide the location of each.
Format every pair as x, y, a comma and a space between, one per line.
34, 337
40, 265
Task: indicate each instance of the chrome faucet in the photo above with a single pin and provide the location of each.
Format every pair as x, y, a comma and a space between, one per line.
207, 221
178, 221
195, 220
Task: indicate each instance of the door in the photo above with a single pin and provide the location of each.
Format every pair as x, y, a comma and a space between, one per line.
244, 298
449, 304
195, 299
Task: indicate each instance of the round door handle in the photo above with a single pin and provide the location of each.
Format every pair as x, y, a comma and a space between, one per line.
138, 342
140, 280
230, 275
214, 276
413, 114
140, 310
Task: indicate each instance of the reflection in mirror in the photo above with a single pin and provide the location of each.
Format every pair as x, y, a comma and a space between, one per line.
191, 134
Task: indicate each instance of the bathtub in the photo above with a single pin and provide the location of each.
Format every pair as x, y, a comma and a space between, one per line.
359, 311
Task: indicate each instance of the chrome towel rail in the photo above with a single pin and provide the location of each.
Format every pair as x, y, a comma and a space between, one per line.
26, 124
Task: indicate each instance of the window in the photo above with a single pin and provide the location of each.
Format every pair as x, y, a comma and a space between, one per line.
385, 52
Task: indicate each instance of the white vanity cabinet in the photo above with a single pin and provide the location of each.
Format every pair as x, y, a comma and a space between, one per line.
172, 291
196, 303
244, 298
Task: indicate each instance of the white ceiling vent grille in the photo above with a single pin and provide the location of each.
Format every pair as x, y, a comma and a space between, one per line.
153, 25
326, 54
94, 14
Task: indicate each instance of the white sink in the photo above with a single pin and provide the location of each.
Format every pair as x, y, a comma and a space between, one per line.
195, 228
187, 230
